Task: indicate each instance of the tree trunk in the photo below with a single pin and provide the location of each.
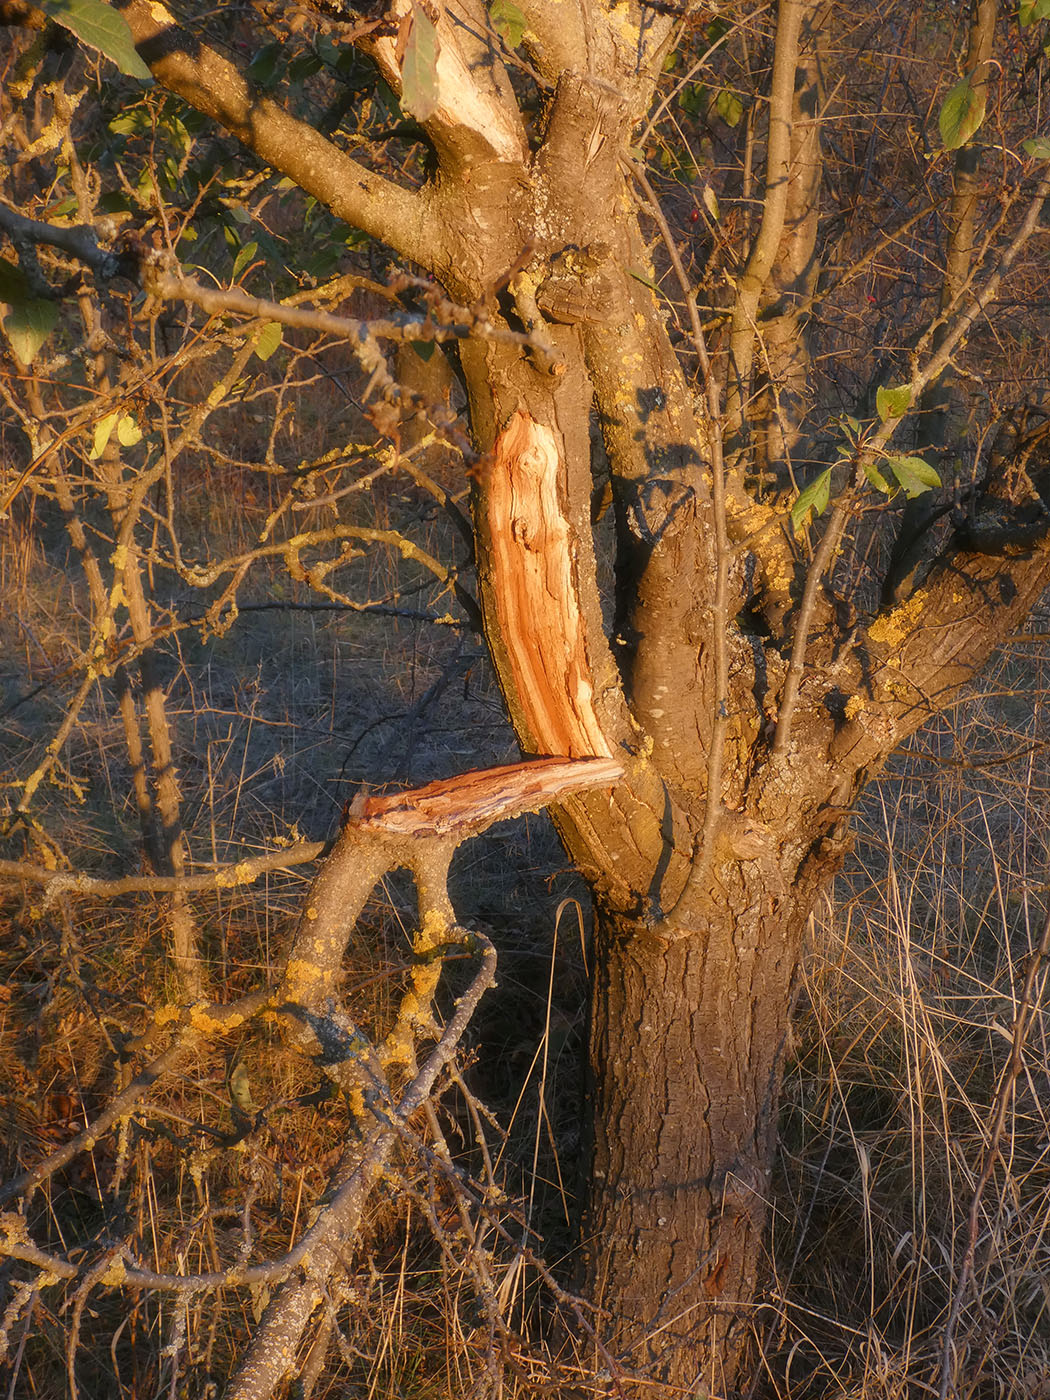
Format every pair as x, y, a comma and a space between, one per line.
686, 1050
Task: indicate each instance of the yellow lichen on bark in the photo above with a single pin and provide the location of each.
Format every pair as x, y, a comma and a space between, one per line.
433, 929
241, 874
301, 979
116, 1274
893, 628
202, 1019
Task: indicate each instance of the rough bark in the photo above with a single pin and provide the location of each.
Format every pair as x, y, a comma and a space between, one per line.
686, 1049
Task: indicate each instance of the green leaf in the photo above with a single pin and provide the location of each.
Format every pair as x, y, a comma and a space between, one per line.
961, 114
893, 403
692, 99
915, 476
12, 282
61, 208
711, 202
103, 432
877, 479
28, 324
812, 501
1030, 10
241, 1090
270, 337
181, 138
419, 85
243, 258
508, 22
304, 66
114, 202
128, 431
1038, 146
130, 123
645, 281
263, 67
729, 107
102, 28
328, 50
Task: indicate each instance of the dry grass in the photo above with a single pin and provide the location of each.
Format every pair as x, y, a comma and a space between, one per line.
903, 1039
902, 1035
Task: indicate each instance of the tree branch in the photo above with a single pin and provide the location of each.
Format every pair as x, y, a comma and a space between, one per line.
819, 565
918, 515
184, 65
534, 590
703, 855
408, 330
774, 209
912, 661
475, 118
325, 1244
579, 37
244, 872
79, 240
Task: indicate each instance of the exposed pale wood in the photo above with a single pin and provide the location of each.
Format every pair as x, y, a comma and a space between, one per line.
534, 591
473, 801
475, 117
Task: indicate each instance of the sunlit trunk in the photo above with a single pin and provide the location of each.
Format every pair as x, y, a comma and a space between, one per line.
686, 1049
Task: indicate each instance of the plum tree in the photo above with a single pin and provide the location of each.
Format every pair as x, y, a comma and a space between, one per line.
748, 509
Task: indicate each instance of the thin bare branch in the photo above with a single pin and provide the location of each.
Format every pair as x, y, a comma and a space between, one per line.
462, 324
80, 241
774, 209
242, 872
819, 565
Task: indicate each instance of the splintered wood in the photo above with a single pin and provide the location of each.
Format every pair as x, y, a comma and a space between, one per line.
534, 589
473, 801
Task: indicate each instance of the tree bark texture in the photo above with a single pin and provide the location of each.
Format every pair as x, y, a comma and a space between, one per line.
686, 1049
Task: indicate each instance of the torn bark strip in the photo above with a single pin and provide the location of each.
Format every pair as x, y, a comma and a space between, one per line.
473, 801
